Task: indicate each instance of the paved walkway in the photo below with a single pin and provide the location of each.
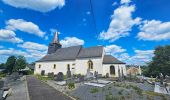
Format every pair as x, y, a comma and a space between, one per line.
19, 90
41, 91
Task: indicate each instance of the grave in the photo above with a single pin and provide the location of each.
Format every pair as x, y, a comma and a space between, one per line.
59, 77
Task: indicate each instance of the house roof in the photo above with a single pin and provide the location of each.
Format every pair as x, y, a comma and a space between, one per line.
96, 51
71, 53
109, 59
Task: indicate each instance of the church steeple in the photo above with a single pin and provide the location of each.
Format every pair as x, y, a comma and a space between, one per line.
54, 45
55, 38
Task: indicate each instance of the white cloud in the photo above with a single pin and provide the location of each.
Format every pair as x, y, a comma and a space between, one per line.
34, 50
121, 23
9, 36
25, 26
71, 41
141, 57
37, 5
113, 49
33, 46
11, 51
154, 30
125, 1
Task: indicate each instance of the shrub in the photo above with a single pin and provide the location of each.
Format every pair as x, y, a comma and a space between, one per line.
71, 85
120, 92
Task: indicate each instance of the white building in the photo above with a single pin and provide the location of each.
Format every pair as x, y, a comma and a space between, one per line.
78, 60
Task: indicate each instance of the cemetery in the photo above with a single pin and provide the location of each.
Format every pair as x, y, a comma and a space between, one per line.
94, 87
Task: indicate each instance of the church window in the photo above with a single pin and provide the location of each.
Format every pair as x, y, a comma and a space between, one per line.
90, 64
39, 66
54, 66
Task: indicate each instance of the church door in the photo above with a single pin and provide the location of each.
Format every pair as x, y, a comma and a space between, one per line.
43, 72
112, 70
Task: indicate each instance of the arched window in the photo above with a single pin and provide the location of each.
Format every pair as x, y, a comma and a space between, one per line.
90, 64
68, 66
54, 67
112, 70
39, 66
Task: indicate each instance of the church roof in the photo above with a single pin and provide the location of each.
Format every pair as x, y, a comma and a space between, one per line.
109, 59
71, 53
96, 51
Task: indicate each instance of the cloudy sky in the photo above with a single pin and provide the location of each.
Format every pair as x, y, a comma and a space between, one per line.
128, 29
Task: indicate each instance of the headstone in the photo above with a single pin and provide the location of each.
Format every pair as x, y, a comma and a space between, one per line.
68, 73
161, 78
107, 75
96, 75
59, 77
80, 78
51, 75
89, 75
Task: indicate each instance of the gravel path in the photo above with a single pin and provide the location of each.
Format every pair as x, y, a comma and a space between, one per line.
41, 91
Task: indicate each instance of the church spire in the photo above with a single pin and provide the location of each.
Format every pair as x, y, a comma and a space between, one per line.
54, 45
55, 39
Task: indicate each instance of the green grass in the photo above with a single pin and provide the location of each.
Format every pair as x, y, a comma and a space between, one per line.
94, 90
150, 93
43, 78
71, 85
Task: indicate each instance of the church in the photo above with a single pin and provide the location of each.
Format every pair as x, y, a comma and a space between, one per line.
78, 59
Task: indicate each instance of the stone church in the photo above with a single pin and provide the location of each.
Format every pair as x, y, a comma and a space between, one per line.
78, 59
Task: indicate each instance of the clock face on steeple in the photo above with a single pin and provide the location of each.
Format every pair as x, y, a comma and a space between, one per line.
54, 45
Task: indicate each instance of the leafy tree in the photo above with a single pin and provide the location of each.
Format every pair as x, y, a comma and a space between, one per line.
20, 63
10, 64
2, 66
160, 62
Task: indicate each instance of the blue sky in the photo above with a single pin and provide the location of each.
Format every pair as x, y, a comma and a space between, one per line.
128, 29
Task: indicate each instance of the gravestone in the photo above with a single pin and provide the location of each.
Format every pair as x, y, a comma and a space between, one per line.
107, 75
80, 78
51, 75
161, 78
89, 75
96, 75
68, 73
59, 77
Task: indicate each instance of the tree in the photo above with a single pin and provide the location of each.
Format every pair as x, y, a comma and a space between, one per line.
10, 64
2, 66
20, 63
160, 62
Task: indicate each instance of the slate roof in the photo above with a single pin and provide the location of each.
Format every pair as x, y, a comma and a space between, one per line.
109, 59
69, 53
96, 51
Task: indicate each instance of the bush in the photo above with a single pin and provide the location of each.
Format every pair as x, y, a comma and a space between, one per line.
30, 72
2, 75
71, 85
